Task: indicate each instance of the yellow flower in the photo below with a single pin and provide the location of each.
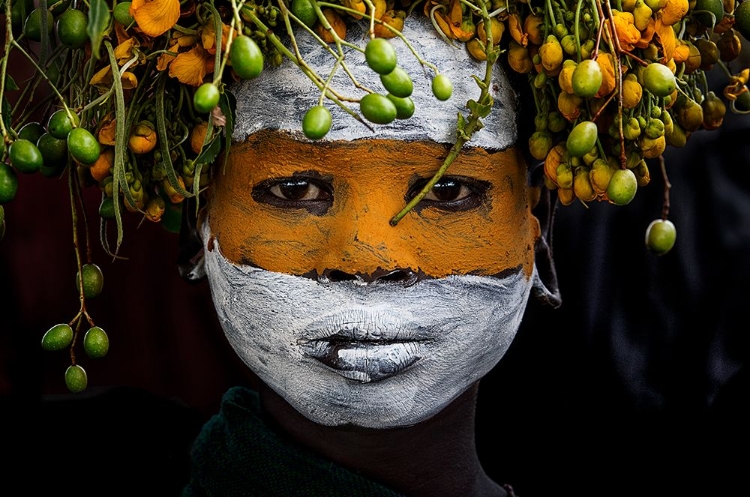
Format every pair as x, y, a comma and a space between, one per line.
191, 67
673, 11
667, 39
103, 79
155, 17
736, 86
126, 50
627, 33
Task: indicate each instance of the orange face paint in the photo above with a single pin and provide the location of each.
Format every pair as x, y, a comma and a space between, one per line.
362, 185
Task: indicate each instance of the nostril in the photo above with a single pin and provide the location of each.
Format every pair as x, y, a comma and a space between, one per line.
404, 276
338, 275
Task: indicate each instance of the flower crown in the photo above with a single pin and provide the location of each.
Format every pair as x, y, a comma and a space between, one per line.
134, 98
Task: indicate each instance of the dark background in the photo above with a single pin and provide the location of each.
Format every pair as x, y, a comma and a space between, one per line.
635, 386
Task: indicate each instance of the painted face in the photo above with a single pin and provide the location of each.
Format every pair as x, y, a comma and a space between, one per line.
350, 319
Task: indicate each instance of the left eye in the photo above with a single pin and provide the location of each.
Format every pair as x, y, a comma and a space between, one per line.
296, 190
448, 190
452, 193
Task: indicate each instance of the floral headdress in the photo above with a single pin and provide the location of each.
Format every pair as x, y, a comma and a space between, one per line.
135, 98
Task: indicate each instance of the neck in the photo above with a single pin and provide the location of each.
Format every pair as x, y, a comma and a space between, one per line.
436, 457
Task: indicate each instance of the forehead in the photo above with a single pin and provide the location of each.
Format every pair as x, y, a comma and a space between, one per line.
279, 97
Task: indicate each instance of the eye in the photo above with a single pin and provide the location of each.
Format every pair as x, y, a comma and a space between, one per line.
448, 190
314, 195
451, 193
297, 190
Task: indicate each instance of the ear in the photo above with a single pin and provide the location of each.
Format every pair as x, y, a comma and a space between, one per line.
545, 287
190, 255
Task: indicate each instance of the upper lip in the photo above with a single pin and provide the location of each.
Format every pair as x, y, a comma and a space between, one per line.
364, 324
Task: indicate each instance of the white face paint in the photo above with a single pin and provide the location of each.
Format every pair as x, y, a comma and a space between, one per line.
373, 355
280, 96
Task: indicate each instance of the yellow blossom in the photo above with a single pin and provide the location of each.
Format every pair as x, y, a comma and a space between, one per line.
103, 79
166, 58
192, 66
155, 17
627, 33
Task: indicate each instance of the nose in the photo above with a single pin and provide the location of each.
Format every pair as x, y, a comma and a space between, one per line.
404, 277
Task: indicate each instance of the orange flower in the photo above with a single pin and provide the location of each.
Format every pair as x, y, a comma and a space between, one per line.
208, 37
667, 39
673, 11
626, 31
106, 135
516, 30
647, 34
155, 17
191, 67
103, 79
607, 64
165, 59
736, 86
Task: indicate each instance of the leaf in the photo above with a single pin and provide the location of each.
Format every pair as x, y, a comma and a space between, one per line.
98, 24
209, 151
228, 104
10, 83
479, 109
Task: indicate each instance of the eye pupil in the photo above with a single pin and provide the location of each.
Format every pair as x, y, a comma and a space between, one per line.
294, 190
447, 190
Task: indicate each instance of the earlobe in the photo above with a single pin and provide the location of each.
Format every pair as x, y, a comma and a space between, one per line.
190, 257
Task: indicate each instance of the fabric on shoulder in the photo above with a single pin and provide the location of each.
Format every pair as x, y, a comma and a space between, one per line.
237, 454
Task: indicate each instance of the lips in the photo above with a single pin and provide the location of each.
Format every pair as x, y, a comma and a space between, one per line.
364, 360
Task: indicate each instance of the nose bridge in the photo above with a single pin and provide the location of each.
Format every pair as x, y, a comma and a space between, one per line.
366, 241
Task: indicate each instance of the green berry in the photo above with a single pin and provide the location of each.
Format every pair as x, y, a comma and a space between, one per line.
442, 87
58, 337
380, 55
76, 379
93, 281
660, 236
317, 122
622, 187
96, 342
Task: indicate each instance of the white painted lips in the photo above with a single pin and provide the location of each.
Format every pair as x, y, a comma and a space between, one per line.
364, 361
366, 344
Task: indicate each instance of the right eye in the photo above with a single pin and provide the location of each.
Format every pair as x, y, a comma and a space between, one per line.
298, 190
314, 195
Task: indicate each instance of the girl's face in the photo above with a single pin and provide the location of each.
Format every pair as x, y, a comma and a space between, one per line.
353, 320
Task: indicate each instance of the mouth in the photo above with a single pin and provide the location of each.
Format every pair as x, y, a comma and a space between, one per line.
364, 360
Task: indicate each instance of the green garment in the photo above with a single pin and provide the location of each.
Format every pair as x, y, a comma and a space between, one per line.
236, 454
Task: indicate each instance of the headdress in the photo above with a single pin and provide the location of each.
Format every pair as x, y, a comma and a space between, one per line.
140, 98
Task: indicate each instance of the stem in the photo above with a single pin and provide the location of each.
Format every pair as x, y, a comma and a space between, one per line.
41, 71
667, 187
463, 135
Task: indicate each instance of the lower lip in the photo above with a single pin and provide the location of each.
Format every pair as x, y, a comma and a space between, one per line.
365, 361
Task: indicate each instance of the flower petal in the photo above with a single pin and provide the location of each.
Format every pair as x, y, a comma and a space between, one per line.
155, 17
191, 67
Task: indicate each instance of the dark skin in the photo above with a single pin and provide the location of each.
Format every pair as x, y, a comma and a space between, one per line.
434, 458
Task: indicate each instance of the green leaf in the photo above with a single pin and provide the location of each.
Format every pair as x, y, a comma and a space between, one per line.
479, 109
10, 83
98, 24
228, 104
